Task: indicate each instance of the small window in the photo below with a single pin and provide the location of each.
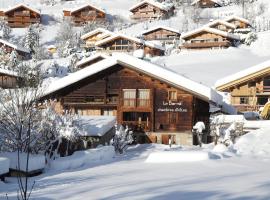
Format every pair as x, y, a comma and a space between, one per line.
143, 97
243, 100
172, 95
129, 97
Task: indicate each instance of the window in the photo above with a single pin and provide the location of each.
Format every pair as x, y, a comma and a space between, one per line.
172, 117
94, 99
129, 96
243, 100
262, 100
143, 97
112, 98
172, 95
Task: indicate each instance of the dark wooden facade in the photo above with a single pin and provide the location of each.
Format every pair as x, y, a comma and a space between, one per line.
206, 4
163, 35
84, 15
138, 100
8, 81
21, 16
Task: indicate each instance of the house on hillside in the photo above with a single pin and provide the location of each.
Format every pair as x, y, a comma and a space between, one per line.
222, 26
8, 79
249, 89
239, 22
207, 3
85, 14
161, 33
208, 38
94, 36
123, 43
21, 16
151, 9
21, 52
90, 60
155, 102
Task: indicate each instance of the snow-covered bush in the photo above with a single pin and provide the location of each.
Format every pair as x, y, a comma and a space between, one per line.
5, 30
251, 37
122, 138
31, 39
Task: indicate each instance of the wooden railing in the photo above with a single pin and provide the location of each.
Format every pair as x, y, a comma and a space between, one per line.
266, 88
136, 102
245, 107
206, 44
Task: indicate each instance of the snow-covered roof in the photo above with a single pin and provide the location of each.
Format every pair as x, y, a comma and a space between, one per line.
8, 72
82, 7
162, 6
89, 59
98, 30
233, 17
244, 74
21, 5
137, 40
155, 71
14, 46
160, 27
210, 30
215, 1
218, 21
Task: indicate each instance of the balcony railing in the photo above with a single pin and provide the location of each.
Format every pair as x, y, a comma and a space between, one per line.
207, 44
266, 88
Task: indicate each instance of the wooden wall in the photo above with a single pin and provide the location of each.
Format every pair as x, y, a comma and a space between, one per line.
7, 81
207, 4
161, 34
239, 24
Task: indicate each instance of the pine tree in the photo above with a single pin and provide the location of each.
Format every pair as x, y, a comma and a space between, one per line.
31, 40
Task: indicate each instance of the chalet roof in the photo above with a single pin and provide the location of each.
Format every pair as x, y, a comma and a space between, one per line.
215, 1
137, 40
72, 10
155, 71
244, 75
215, 22
162, 6
21, 5
89, 59
16, 47
210, 30
161, 27
98, 30
233, 17
8, 72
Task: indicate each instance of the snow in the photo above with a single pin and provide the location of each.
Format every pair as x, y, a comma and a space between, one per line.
16, 47
21, 5
95, 125
83, 6
90, 58
160, 27
8, 72
98, 30
80, 158
233, 17
162, 6
216, 1
4, 165
36, 162
215, 22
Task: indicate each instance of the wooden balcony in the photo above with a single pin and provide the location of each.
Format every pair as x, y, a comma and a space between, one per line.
206, 44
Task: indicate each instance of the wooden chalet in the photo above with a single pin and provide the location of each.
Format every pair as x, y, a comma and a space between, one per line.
222, 25
94, 36
206, 3
239, 22
208, 38
123, 43
90, 60
21, 16
164, 34
8, 79
22, 53
249, 89
151, 9
147, 97
85, 14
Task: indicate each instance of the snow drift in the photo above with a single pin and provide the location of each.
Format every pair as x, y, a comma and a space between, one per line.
4, 165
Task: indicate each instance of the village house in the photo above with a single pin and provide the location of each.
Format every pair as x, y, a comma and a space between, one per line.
21, 16
85, 14
151, 9
163, 34
207, 3
148, 98
249, 89
21, 52
8, 78
123, 43
239, 22
90, 60
208, 38
222, 25
94, 36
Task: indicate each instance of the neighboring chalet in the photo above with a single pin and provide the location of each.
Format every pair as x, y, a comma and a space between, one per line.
150, 9
145, 96
123, 43
8, 78
161, 33
207, 3
249, 89
21, 16
208, 38
22, 53
85, 14
239, 22
90, 60
221, 25
94, 36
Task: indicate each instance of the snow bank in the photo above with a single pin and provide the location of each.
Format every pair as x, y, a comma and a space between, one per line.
4, 165
36, 162
80, 158
175, 157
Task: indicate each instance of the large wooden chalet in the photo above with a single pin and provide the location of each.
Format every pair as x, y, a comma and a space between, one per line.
208, 38
207, 3
151, 9
222, 25
123, 43
239, 22
94, 36
147, 97
21, 52
164, 34
249, 89
21, 16
85, 14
